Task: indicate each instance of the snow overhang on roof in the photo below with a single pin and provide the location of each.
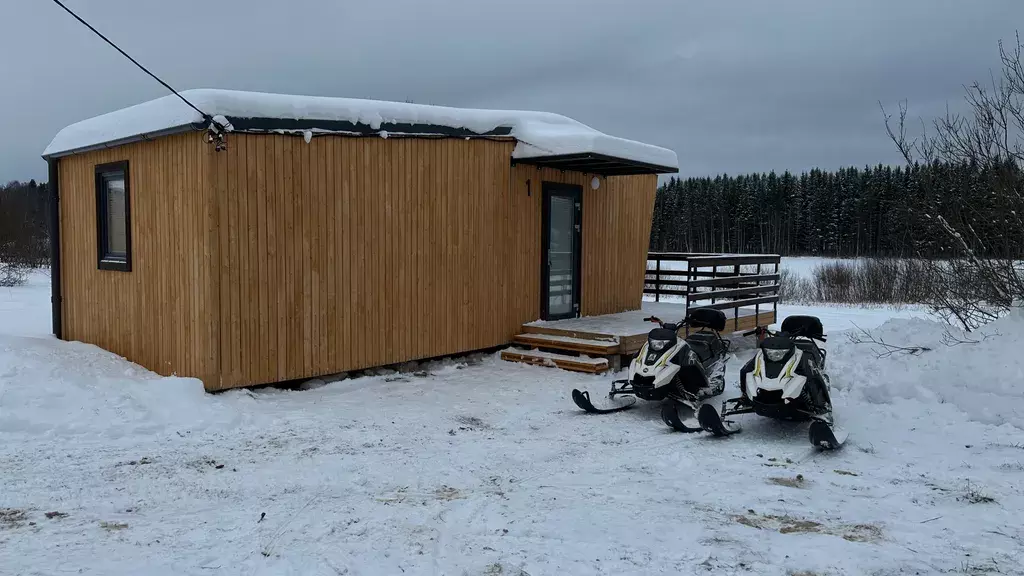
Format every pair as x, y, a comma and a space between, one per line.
543, 139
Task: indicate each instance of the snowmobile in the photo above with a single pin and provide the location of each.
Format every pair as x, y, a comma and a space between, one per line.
785, 380
681, 372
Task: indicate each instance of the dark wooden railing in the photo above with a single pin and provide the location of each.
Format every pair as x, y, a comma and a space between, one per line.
719, 281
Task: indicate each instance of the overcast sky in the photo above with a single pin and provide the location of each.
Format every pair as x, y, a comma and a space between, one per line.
731, 86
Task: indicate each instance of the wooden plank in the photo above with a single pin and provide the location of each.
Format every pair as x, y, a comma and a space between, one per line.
733, 292
553, 342
245, 298
265, 345
737, 260
551, 331
212, 269
330, 246
346, 248
664, 282
666, 291
555, 361
733, 280
741, 303
676, 256
289, 278
304, 309
275, 241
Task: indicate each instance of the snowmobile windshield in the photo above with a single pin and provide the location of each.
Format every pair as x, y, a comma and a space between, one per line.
661, 339
777, 349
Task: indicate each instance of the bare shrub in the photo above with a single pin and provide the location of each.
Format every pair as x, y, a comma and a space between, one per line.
12, 274
863, 281
794, 288
834, 281
986, 276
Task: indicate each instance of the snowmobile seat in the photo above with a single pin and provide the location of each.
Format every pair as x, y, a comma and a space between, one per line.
706, 318
705, 345
806, 326
810, 348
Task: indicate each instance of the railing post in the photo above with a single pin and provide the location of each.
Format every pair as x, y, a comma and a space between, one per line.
657, 280
757, 307
689, 283
775, 305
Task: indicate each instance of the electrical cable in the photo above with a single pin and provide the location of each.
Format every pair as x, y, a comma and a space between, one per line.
205, 116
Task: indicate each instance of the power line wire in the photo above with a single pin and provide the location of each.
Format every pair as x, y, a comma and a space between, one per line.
205, 116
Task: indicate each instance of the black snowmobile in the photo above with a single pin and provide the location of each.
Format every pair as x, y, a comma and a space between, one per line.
679, 371
785, 380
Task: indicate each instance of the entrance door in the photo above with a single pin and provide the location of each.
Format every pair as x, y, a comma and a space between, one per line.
560, 273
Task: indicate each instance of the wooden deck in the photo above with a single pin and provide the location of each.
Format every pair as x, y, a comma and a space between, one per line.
611, 336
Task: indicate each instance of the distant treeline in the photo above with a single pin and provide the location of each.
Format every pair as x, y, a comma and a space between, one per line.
24, 228
880, 211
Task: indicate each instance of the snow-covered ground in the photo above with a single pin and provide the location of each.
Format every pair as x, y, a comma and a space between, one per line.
480, 467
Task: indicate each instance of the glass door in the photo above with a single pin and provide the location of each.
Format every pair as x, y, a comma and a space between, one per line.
560, 277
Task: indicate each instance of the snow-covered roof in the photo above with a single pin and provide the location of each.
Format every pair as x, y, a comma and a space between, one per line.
539, 134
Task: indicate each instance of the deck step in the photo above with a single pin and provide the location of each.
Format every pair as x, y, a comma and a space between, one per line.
580, 345
550, 359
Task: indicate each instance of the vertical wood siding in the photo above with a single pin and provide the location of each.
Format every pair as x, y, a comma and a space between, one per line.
616, 235
347, 253
161, 314
277, 259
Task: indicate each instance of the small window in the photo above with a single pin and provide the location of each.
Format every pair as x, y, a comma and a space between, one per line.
113, 217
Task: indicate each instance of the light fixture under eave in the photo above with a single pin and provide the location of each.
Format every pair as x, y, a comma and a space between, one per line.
595, 183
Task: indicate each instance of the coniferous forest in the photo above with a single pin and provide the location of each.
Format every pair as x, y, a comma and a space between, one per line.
873, 211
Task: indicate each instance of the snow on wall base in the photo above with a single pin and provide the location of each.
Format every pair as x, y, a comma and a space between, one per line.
66, 389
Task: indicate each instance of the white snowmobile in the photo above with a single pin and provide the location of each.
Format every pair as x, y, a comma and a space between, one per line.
785, 380
682, 372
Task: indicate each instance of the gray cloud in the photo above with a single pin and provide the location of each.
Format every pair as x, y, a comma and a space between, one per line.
730, 85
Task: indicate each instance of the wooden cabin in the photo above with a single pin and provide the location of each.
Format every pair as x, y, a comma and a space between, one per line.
267, 238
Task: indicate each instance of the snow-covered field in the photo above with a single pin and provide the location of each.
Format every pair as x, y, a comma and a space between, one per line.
480, 467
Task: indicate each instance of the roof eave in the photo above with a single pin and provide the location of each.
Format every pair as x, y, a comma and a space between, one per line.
122, 141
593, 163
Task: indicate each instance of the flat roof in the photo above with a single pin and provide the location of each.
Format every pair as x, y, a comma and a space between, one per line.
542, 138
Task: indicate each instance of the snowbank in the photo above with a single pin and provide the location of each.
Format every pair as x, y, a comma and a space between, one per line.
982, 376
539, 133
50, 388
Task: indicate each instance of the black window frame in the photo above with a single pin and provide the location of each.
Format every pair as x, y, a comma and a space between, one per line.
103, 261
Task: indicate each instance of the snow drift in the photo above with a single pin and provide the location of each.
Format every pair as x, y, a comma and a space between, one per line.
980, 373
50, 388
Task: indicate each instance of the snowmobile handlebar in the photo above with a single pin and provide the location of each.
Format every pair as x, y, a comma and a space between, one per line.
759, 330
663, 324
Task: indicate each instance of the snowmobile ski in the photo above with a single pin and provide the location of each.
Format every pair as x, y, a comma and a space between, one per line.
826, 437
582, 399
679, 416
712, 422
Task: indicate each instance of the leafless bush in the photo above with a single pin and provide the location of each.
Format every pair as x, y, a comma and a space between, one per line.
882, 348
12, 274
867, 281
986, 278
834, 282
794, 288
